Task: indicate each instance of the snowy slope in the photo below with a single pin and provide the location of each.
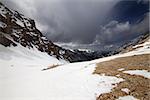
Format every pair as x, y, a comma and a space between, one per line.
19, 55
21, 77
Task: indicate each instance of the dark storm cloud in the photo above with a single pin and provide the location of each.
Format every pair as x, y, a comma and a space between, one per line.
119, 32
112, 32
66, 20
73, 21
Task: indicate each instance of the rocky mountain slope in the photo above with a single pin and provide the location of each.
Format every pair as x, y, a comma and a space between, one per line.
132, 45
16, 28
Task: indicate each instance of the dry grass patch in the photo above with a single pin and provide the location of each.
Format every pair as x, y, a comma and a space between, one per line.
139, 86
51, 66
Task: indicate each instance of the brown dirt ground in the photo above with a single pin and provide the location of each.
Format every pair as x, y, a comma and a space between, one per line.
139, 86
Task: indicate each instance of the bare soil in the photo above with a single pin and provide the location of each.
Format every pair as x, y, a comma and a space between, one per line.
139, 86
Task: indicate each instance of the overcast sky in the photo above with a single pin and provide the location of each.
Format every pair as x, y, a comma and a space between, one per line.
82, 23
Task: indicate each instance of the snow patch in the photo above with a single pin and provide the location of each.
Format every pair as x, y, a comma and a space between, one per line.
3, 11
126, 90
121, 69
144, 73
117, 75
143, 44
127, 98
61, 52
2, 24
20, 23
